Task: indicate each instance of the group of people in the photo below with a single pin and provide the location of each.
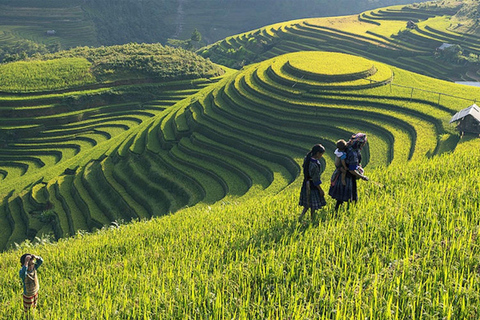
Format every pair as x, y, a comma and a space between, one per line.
343, 183
343, 188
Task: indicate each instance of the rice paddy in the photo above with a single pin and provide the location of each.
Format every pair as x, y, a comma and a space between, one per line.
271, 111
207, 171
381, 35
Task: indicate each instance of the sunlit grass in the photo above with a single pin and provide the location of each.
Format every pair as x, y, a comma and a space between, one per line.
45, 75
387, 257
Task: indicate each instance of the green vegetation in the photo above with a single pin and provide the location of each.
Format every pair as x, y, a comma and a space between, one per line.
397, 254
380, 34
80, 113
25, 24
29, 26
131, 61
45, 75
100, 67
248, 132
144, 131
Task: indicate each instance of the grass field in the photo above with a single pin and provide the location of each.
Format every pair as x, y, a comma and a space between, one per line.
381, 34
266, 116
157, 185
408, 250
45, 75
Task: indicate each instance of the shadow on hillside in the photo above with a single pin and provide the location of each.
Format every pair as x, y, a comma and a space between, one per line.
283, 230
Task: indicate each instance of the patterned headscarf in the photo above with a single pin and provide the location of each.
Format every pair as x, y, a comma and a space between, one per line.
357, 141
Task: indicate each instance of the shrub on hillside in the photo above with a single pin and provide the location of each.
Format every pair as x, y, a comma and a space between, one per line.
143, 60
22, 49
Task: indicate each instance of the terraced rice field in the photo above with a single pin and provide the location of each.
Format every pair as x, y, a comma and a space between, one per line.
60, 138
70, 170
71, 25
380, 35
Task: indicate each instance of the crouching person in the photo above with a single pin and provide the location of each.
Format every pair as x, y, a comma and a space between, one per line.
28, 274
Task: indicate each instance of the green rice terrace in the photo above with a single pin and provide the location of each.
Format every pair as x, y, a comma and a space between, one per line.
206, 163
403, 36
27, 26
59, 114
80, 159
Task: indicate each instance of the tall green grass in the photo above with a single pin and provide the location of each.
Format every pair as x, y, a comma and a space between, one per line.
45, 75
408, 250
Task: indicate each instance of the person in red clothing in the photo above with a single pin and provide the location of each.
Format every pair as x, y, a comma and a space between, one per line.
28, 273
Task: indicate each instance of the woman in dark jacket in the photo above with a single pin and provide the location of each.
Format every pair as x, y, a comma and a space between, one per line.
348, 192
311, 195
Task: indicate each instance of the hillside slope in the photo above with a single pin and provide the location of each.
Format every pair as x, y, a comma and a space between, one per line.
66, 111
245, 134
409, 250
24, 24
408, 37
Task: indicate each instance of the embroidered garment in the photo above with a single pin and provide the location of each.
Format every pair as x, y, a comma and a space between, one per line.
309, 194
30, 285
347, 192
29, 302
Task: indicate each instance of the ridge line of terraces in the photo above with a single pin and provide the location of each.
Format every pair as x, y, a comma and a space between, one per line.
217, 187
237, 181
290, 131
244, 141
103, 195
464, 36
379, 108
318, 77
78, 194
192, 187
18, 224
262, 172
257, 134
399, 15
295, 77
6, 222
133, 189
302, 112
283, 118
64, 225
396, 47
190, 192
108, 85
281, 130
96, 215
65, 189
332, 32
270, 78
466, 44
156, 183
34, 225
313, 95
335, 42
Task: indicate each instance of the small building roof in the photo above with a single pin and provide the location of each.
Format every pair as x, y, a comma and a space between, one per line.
473, 110
445, 46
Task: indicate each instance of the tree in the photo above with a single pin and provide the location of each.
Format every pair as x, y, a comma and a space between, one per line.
196, 36
453, 53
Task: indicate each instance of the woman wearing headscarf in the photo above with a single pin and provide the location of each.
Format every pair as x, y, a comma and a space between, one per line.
348, 192
311, 195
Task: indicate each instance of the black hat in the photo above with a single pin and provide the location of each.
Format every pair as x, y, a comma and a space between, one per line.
22, 258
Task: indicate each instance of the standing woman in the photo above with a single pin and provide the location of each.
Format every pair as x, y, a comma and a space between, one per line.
312, 196
348, 192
